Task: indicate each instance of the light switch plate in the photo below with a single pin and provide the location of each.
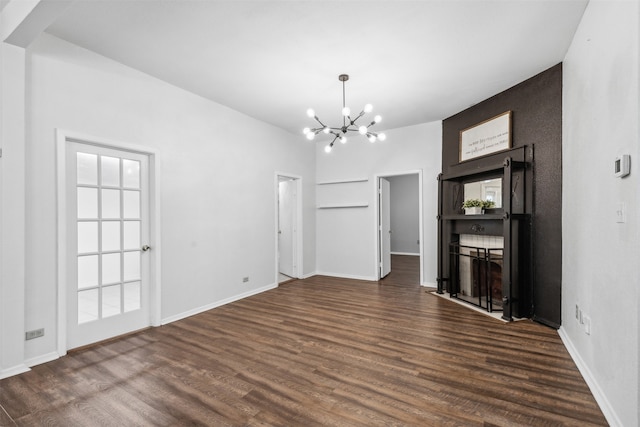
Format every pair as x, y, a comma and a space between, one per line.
621, 213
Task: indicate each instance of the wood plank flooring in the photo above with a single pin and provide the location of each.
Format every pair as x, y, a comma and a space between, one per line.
321, 351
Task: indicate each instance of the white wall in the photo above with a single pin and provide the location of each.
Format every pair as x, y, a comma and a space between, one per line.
12, 209
218, 192
600, 256
405, 214
346, 238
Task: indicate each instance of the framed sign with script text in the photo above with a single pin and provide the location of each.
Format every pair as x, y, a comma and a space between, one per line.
488, 137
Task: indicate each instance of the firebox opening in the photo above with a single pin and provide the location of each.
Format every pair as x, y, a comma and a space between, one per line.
477, 261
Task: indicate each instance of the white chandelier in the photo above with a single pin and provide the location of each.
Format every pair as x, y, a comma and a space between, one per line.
348, 124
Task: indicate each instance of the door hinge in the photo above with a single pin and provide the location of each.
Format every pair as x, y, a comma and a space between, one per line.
0, 152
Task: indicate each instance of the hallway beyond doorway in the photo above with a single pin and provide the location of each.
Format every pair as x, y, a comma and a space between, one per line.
405, 270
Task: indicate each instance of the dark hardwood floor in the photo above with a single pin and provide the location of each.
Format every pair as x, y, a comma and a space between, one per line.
405, 270
320, 351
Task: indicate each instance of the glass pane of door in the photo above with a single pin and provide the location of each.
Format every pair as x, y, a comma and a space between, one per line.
110, 221
107, 224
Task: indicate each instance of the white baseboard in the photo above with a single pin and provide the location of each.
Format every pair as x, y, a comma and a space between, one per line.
597, 392
347, 276
405, 253
38, 360
14, 370
204, 308
306, 276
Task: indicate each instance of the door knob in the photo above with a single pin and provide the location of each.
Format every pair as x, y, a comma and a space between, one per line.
145, 248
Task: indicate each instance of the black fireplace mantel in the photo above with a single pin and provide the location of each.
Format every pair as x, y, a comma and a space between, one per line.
513, 222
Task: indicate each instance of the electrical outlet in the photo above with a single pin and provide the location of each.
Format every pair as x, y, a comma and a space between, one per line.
587, 325
245, 279
36, 333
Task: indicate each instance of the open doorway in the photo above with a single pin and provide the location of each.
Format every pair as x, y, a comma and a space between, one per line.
399, 226
288, 227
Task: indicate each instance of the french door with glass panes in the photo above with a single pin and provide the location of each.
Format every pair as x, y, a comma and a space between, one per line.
108, 234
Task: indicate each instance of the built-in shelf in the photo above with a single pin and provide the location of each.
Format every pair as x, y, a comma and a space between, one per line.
472, 217
343, 181
345, 205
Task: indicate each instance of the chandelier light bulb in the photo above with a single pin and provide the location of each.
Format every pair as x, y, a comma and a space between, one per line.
343, 139
306, 130
327, 149
368, 108
311, 113
310, 136
372, 138
377, 118
326, 129
363, 130
382, 136
346, 111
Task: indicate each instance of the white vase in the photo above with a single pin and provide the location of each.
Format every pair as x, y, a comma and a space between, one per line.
473, 211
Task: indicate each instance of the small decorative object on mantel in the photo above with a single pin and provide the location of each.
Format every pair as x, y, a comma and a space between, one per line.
476, 206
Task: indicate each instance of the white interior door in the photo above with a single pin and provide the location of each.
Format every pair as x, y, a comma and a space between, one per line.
385, 227
108, 232
287, 227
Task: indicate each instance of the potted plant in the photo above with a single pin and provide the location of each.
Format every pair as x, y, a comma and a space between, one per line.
488, 204
476, 206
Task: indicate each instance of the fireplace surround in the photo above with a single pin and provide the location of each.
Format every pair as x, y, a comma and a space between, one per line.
485, 259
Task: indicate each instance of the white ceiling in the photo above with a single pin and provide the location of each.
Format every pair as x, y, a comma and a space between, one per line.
415, 61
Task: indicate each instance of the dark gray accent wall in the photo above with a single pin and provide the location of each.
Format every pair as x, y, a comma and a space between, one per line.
536, 122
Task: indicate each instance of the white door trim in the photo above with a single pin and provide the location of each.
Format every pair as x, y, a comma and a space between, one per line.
384, 226
420, 218
299, 233
62, 137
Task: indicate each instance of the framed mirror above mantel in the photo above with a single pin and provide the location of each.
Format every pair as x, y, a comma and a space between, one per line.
485, 189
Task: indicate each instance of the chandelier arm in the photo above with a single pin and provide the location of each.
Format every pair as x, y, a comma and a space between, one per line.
318, 120
353, 122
